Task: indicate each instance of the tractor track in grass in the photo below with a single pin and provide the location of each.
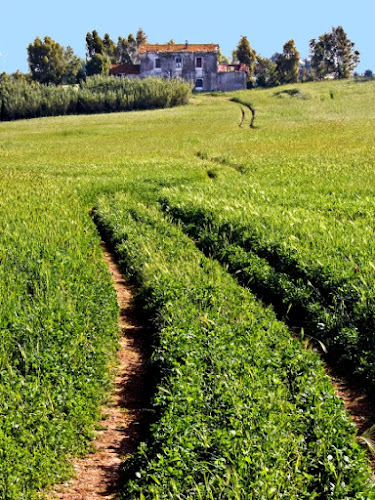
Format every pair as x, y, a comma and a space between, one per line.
98, 474
358, 405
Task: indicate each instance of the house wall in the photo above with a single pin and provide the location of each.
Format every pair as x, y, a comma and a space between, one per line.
188, 70
233, 80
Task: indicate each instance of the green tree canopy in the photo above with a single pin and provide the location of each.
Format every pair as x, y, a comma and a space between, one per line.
287, 63
245, 54
94, 44
49, 62
73, 67
333, 54
109, 48
221, 58
99, 53
127, 50
46, 60
98, 65
265, 72
140, 37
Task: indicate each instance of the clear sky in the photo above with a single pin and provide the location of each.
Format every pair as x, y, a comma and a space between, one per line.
268, 24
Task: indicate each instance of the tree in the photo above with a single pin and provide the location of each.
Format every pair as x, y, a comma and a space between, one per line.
94, 44
368, 73
97, 59
132, 49
333, 54
221, 58
46, 60
89, 45
140, 37
4, 77
246, 55
265, 72
287, 63
109, 48
73, 67
98, 65
127, 51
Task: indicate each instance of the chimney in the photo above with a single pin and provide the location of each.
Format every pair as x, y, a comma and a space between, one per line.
186, 45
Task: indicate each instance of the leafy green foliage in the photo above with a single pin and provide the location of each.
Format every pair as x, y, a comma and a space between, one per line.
333, 53
94, 44
302, 260
245, 54
287, 64
98, 65
19, 99
301, 182
50, 63
58, 333
241, 410
265, 72
127, 50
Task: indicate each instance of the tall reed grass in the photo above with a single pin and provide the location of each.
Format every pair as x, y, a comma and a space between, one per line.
21, 99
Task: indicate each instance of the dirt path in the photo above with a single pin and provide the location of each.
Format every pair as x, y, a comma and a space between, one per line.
357, 403
97, 474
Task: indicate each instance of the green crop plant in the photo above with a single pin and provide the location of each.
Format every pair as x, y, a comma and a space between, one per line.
241, 410
303, 261
288, 205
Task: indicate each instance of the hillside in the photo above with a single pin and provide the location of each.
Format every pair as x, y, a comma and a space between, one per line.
207, 218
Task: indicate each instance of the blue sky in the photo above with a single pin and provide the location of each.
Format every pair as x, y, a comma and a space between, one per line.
267, 24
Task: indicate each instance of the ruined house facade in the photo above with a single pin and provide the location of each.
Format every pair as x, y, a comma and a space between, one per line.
197, 63
192, 62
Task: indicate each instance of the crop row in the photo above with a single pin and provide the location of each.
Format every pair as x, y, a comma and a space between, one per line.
58, 333
240, 409
326, 289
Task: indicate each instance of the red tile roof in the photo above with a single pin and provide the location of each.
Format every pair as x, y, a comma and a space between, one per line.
178, 47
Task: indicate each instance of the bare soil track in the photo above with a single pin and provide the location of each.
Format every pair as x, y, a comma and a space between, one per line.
97, 475
357, 403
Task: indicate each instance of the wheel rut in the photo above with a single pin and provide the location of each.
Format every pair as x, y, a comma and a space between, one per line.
98, 474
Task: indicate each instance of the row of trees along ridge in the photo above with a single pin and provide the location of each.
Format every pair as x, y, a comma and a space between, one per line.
50, 63
332, 55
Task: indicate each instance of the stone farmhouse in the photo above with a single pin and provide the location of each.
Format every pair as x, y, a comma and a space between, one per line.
197, 63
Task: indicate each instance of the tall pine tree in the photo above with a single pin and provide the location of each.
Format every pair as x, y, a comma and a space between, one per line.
245, 54
287, 63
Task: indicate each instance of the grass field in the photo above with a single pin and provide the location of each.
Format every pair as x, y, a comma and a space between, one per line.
287, 208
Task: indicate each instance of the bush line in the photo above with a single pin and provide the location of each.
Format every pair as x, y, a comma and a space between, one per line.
20, 99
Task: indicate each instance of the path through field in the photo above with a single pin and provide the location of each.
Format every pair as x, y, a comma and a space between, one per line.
359, 406
98, 473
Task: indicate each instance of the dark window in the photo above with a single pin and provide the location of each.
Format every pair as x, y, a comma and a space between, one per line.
178, 62
198, 62
199, 83
157, 63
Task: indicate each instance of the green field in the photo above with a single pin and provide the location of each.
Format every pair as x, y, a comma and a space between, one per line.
227, 233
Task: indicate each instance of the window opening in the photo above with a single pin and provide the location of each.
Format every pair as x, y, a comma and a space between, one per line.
199, 83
